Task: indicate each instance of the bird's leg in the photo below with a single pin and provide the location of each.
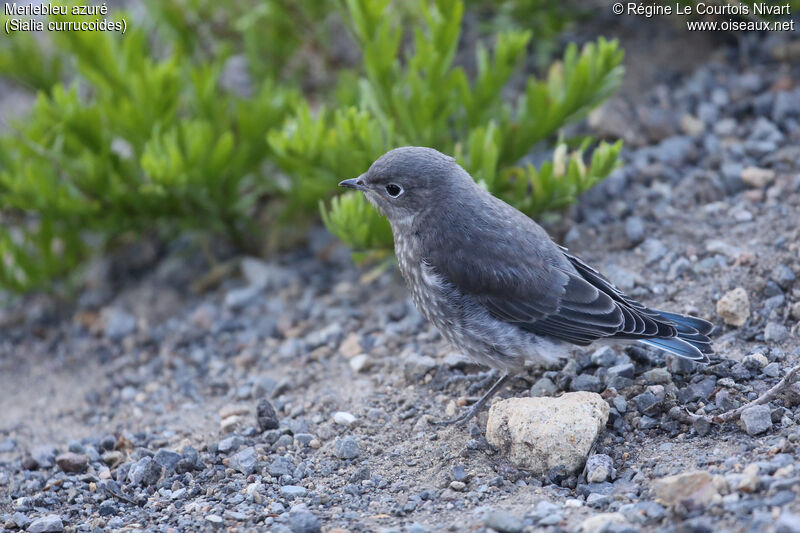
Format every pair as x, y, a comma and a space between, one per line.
477, 406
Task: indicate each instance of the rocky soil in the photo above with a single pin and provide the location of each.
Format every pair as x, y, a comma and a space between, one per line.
299, 395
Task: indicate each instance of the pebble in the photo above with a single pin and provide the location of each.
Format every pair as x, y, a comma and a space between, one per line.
693, 489
634, 229
604, 356
734, 307
774, 332
347, 448
293, 491
245, 461
145, 472
503, 522
755, 361
47, 524
359, 363
168, 459
266, 417
602, 523
344, 418
599, 468
544, 387
303, 521
756, 419
72, 462
757, 177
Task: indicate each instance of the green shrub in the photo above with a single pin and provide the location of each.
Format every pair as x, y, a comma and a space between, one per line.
426, 100
139, 134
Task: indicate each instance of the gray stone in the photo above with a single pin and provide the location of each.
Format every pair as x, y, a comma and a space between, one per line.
415, 366
167, 459
625, 370
788, 522
587, 382
347, 448
604, 356
783, 276
281, 466
47, 524
266, 416
242, 297
72, 462
599, 468
653, 250
229, 444
774, 332
544, 387
756, 419
634, 229
145, 472
503, 522
245, 461
293, 491
118, 323
301, 520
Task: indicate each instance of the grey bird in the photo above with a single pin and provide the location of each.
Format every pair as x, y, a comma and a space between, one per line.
493, 282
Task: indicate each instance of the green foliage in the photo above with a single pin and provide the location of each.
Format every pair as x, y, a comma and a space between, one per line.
134, 144
147, 133
426, 100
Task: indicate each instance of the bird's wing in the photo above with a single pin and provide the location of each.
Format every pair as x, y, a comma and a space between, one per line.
546, 296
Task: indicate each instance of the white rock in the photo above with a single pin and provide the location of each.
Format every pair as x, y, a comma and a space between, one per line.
359, 362
696, 489
600, 522
757, 177
734, 307
538, 434
343, 418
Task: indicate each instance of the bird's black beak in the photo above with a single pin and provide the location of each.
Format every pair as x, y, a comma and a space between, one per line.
354, 183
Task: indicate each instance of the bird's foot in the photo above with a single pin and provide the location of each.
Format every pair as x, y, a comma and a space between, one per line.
476, 407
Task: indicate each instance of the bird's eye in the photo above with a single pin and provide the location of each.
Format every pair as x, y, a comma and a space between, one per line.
394, 190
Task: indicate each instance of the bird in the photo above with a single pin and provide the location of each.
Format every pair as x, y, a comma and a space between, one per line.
494, 283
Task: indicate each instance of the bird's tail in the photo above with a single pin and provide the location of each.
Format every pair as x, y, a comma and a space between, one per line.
692, 340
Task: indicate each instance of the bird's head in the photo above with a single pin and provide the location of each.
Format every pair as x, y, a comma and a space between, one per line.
407, 181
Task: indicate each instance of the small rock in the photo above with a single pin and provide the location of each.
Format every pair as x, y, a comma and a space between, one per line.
599, 468
796, 311
543, 387
600, 523
245, 461
293, 491
344, 418
72, 462
692, 489
788, 523
604, 356
653, 249
145, 472
360, 362
734, 307
757, 177
755, 361
539, 434
229, 444
118, 323
774, 332
351, 346
347, 448
634, 229
416, 366
231, 424
303, 521
47, 524
242, 297
458, 486
783, 276
587, 382
657, 376
167, 459
503, 522
756, 419
266, 417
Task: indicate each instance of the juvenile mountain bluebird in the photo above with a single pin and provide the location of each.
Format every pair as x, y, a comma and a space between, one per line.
494, 283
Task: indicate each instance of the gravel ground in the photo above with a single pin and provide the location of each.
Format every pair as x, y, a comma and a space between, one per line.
298, 396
